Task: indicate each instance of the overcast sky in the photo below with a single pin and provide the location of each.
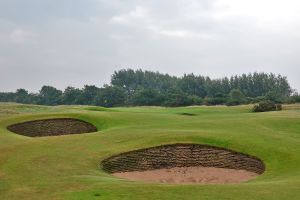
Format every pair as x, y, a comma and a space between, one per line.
78, 42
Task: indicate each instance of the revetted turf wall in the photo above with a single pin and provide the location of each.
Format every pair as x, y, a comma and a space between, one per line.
52, 127
181, 155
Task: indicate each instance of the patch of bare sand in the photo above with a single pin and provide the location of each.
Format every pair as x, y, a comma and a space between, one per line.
190, 175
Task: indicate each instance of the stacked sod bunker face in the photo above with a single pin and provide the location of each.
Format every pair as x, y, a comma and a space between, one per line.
52, 127
184, 163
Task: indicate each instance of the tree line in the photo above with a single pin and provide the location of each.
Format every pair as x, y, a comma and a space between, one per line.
138, 88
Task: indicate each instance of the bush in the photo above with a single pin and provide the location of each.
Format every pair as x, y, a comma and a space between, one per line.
195, 99
232, 102
175, 100
215, 101
294, 99
258, 99
278, 107
265, 106
147, 97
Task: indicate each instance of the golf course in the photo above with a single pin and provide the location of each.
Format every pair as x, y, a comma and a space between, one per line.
71, 166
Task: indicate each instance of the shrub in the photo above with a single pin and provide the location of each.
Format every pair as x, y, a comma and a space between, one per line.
278, 107
180, 99
258, 99
294, 99
232, 102
265, 106
195, 99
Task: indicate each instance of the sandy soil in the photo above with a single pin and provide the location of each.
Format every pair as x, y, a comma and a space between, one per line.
196, 175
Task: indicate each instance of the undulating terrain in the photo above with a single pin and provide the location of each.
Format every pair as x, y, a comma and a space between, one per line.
69, 166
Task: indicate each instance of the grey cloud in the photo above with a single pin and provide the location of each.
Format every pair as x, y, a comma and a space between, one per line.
68, 42
36, 11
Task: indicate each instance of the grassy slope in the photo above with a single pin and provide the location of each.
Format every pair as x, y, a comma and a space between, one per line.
67, 167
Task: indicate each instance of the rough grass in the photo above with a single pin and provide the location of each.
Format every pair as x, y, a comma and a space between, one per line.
67, 167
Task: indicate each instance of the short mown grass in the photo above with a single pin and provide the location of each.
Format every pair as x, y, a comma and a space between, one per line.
68, 167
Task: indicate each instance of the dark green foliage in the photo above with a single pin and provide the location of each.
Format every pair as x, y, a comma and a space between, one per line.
147, 96
7, 97
236, 97
137, 87
218, 99
196, 100
89, 93
258, 99
295, 98
274, 96
110, 96
50, 96
215, 101
177, 99
132, 80
73, 96
266, 106
21, 96
193, 85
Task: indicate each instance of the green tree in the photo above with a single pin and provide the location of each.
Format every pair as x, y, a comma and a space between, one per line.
148, 96
193, 85
89, 94
110, 96
22, 96
176, 97
147, 88
50, 96
236, 97
72, 96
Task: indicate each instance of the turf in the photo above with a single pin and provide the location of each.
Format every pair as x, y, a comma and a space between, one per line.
68, 167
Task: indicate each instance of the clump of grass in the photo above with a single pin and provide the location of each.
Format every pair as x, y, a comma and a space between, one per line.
188, 114
266, 106
97, 195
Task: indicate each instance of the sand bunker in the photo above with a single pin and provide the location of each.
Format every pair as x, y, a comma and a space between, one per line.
52, 127
190, 175
184, 163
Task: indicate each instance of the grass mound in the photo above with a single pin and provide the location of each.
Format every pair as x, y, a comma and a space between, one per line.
52, 127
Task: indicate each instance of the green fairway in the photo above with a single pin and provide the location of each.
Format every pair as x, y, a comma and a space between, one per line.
68, 167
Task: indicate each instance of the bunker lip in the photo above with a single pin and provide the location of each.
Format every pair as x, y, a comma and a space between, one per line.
184, 163
52, 127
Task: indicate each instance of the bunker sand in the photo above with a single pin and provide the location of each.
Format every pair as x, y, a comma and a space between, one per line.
184, 163
190, 175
